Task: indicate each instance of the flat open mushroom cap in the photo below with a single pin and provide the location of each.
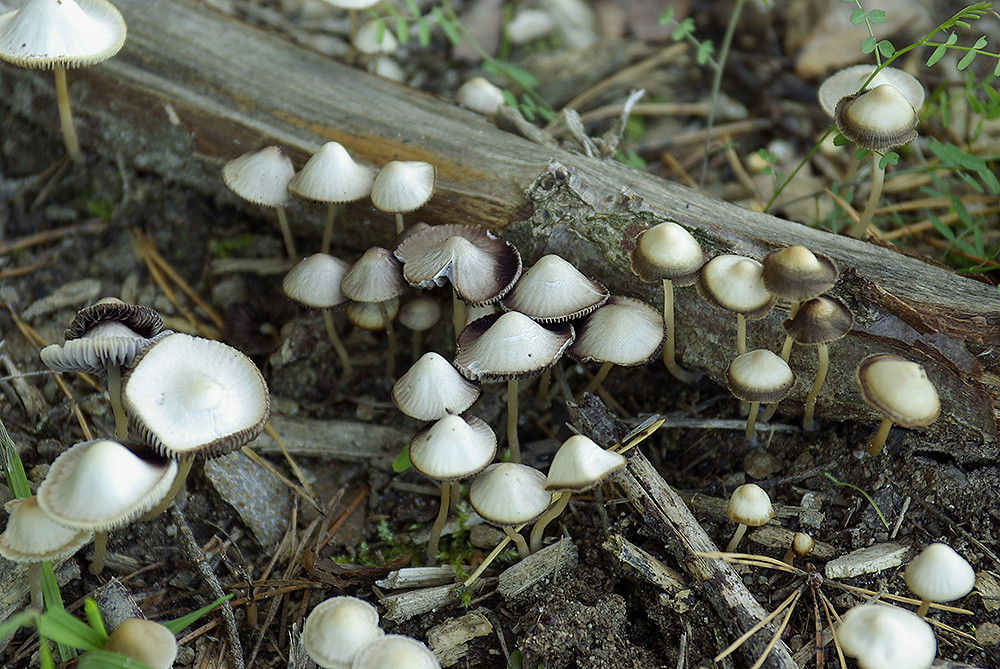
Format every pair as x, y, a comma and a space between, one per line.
898, 388
796, 273
432, 388
315, 281
337, 628
70, 33
553, 290
580, 464
887, 637
877, 118
481, 267
510, 346
331, 175
453, 448
376, 277
403, 185
260, 176
736, 283
939, 574
188, 395
850, 80
759, 376
667, 251
101, 484
509, 494
821, 320
625, 331
32, 536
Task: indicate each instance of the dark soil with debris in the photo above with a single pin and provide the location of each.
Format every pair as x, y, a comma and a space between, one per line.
602, 614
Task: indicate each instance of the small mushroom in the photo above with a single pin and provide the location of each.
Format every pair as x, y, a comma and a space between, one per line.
419, 313
802, 545
938, 574
148, 643
262, 177
796, 274
509, 494
554, 291
749, 506
315, 283
900, 390
736, 283
480, 95
395, 651
337, 628
402, 186
432, 388
758, 377
886, 637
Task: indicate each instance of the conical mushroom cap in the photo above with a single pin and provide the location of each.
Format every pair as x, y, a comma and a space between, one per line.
939, 574
371, 316
71, 33
403, 185
736, 283
331, 175
32, 536
419, 313
820, 320
580, 464
759, 376
337, 628
497, 348
260, 176
100, 485
315, 281
667, 251
625, 331
877, 118
376, 277
480, 95
144, 641
796, 273
509, 494
452, 448
553, 290
850, 80
899, 389
432, 388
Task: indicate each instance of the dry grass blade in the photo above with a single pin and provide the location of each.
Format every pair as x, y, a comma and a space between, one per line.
777, 633
789, 603
830, 614
753, 561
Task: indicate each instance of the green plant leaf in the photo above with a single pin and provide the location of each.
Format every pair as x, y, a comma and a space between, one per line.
886, 48
937, 55
178, 624
980, 43
22, 619
876, 16
95, 620
868, 45
413, 7
402, 32
423, 32
402, 461
666, 17
102, 659
447, 27
17, 480
61, 627
966, 60
704, 53
858, 16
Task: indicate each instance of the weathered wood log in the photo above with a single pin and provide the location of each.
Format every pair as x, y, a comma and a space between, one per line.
192, 88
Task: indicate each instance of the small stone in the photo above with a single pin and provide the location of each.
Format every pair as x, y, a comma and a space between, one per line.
866, 561
256, 494
988, 634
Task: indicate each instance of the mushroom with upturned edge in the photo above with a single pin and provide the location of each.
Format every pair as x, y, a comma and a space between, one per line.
898, 389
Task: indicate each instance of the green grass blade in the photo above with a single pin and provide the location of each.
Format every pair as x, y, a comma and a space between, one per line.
179, 624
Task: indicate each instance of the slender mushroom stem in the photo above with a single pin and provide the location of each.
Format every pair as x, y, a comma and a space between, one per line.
823, 364
115, 395
878, 441
553, 512
786, 349
399, 223
390, 353
878, 178
331, 215
544, 383
751, 420
669, 344
438, 526
338, 345
925, 605
100, 549
741, 529
602, 374
522, 545
741, 334
457, 313
286, 233
66, 114
512, 441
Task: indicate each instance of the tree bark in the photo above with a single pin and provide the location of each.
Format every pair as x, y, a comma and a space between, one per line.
193, 88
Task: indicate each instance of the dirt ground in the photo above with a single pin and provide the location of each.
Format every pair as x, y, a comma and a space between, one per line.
601, 614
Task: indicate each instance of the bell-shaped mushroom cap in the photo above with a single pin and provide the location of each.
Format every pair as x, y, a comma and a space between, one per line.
100, 484
509, 494
315, 281
187, 395
667, 251
553, 290
432, 388
850, 80
376, 277
403, 185
736, 283
480, 95
750, 505
899, 389
820, 320
453, 447
877, 118
759, 376
71, 33
372, 39
337, 628
509, 346
939, 574
887, 637
260, 176
331, 175
32, 536
369, 315
144, 641
796, 273
580, 464
395, 651
142, 321
419, 313
625, 331
481, 267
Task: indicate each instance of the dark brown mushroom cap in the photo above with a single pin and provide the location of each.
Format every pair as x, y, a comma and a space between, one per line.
553, 290
254, 326
821, 320
481, 267
898, 388
667, 251
795, 273
376, 277
877, 119
735, 283
144, 321
509, 346
759, 376
625, 331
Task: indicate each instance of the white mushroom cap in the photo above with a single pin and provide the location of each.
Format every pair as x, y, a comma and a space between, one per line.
71, 33
419, 313
377, 276
480, 95
369, 315
100, 484
736, 283
759, 376
331, 175
750, 505
187, 394
260, 176
395, 651
337, 628
877, 118
368, 41
315, 281
580, 464
144, 641
553, 290
850, 80
353, 4
887, 637
432, 388
899, 389
497, 348
625, 331
453, 447
939, 574
32, 536
667, 251
403, 185
509, 494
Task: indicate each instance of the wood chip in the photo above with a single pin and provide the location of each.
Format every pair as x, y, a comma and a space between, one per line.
538, 569
866, 561
449, 640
